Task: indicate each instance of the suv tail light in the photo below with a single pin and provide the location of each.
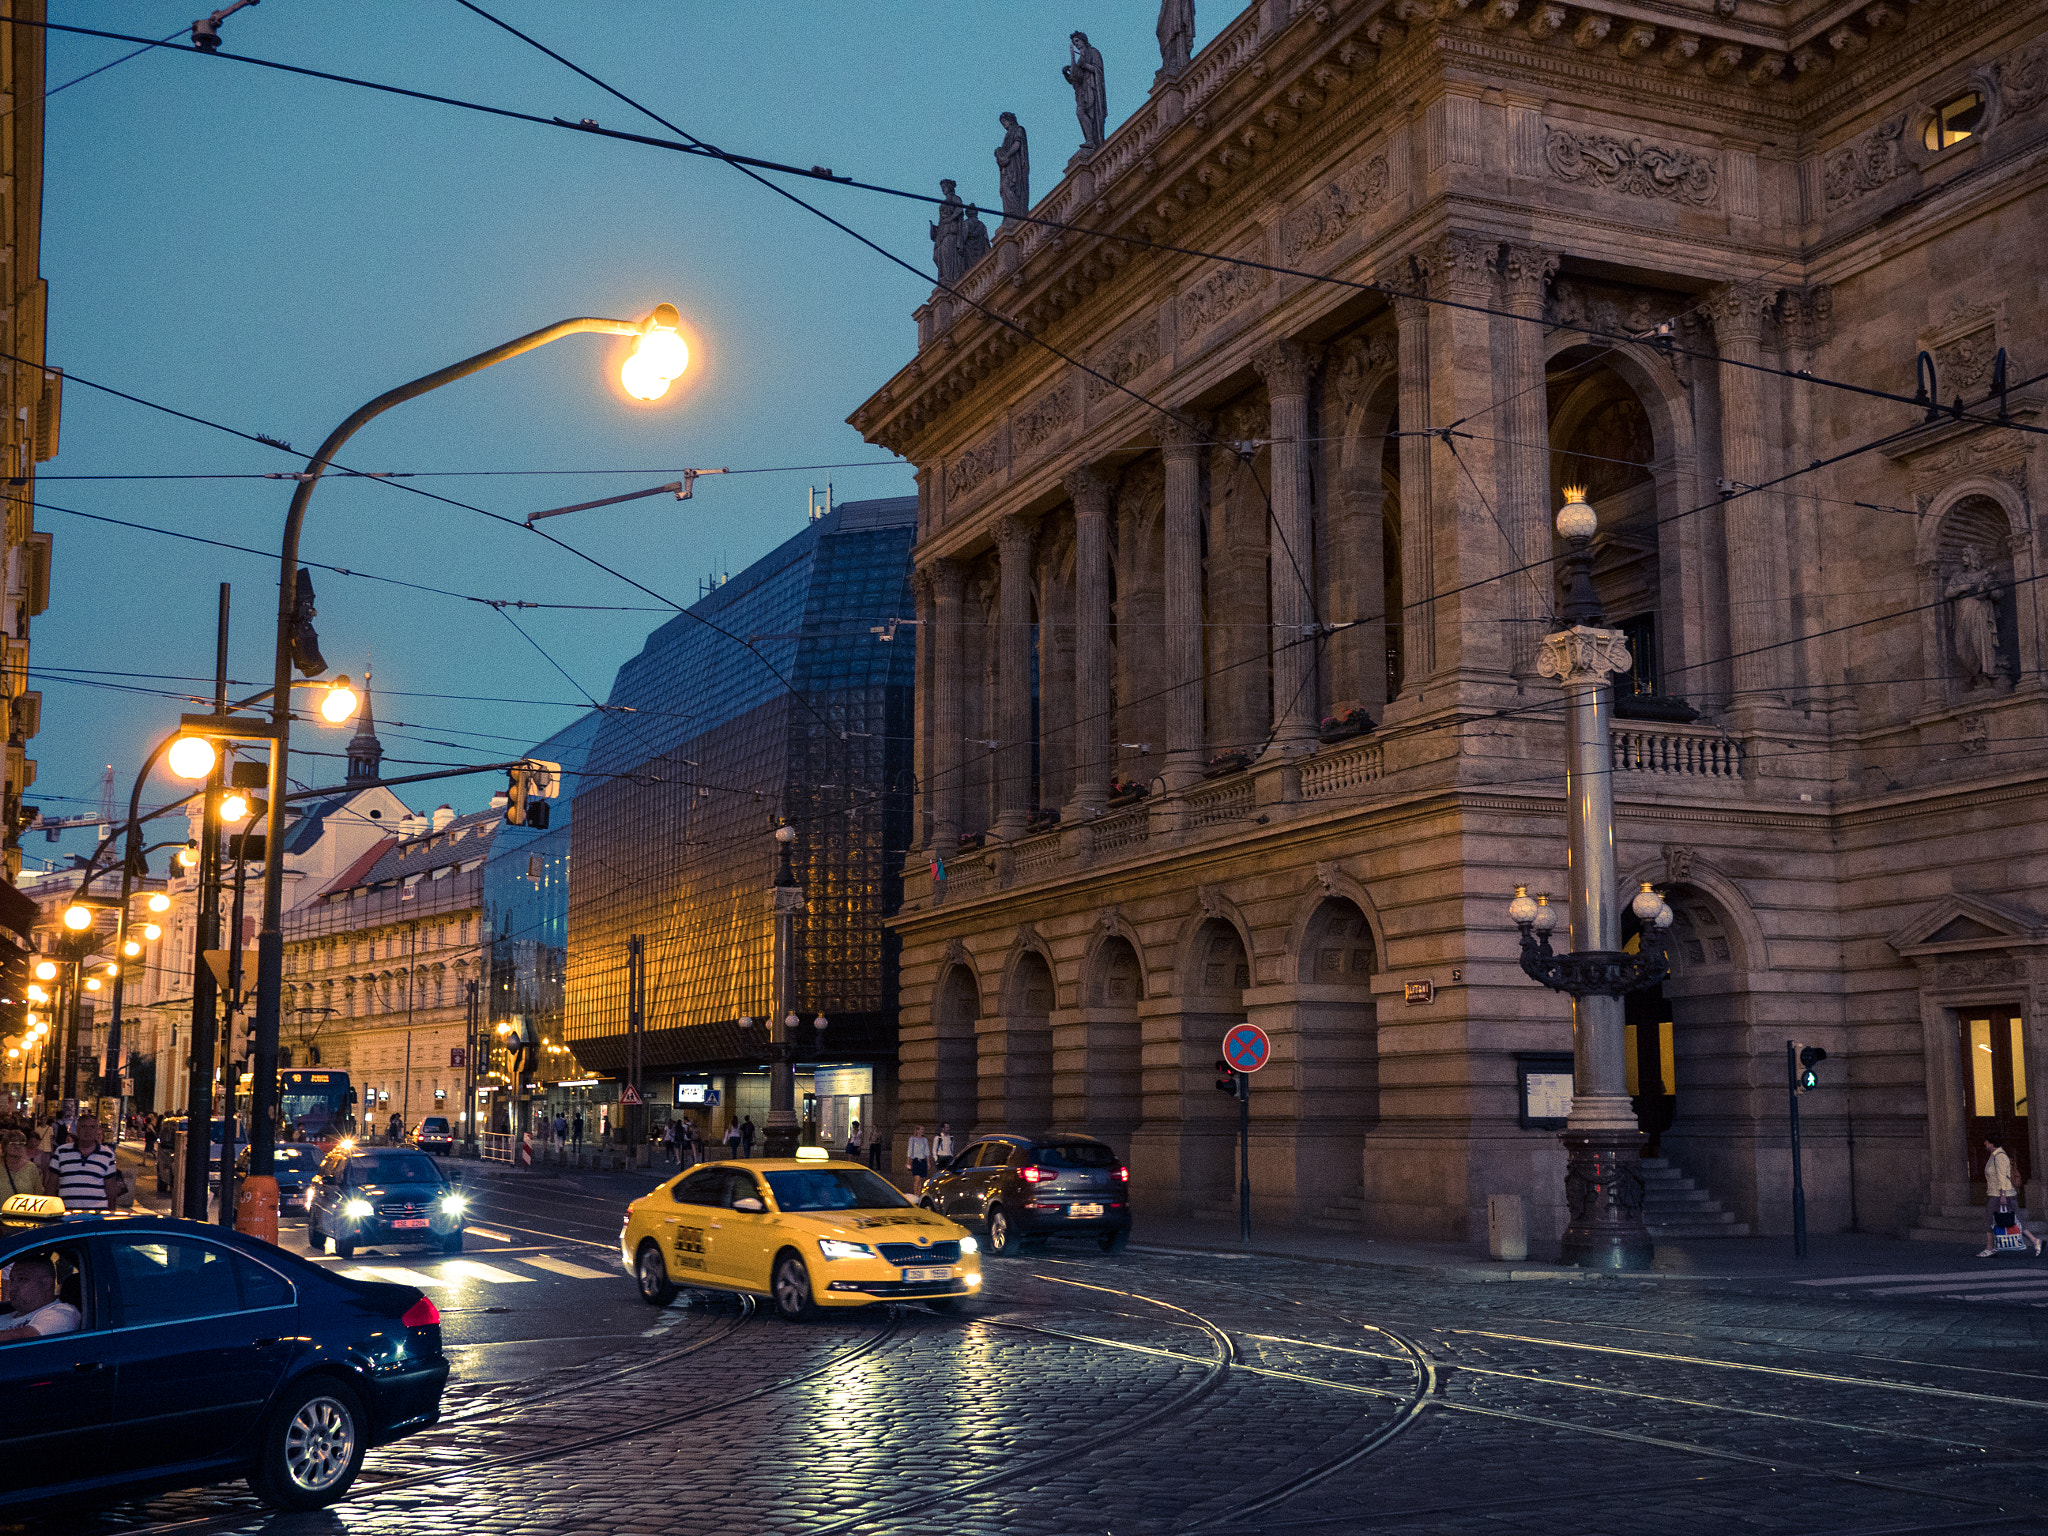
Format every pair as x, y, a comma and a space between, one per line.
1037, 1175
1123, 1175
422, 1314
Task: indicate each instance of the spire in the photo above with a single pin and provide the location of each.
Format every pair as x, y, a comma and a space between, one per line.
365, 751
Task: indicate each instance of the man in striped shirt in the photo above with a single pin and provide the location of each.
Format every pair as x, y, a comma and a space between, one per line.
79, 1172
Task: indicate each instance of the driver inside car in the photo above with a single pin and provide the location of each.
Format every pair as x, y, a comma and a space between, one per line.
32, 1290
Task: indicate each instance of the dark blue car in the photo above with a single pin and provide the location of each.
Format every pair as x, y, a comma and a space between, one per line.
188, 1355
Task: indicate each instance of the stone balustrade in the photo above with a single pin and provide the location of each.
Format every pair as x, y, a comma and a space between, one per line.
1685, 751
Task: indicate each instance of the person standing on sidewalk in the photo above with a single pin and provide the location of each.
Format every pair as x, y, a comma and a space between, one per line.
576, 1129
668, 1141
747, 1137
853, 1142
732, 1140
917, 1157
942, 1146
79, 1172
2000, 1197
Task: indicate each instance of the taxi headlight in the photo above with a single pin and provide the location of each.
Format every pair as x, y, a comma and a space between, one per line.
974, 1279
454, 1205
832, 1248
358, 1207
969, 1245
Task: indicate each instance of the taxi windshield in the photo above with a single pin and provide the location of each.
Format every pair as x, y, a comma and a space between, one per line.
834, 1189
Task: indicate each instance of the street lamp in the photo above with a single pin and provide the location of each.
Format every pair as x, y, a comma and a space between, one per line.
665, 357
191, 757
785, 903
1603, 1147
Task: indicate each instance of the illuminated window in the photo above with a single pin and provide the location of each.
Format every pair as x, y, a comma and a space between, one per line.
1955, 120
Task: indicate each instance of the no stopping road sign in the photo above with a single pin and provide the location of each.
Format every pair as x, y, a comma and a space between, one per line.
1246, 1048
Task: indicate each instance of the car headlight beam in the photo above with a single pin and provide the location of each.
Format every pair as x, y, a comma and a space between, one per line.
968, 1244
832, 1248
357, 1207
453, 1204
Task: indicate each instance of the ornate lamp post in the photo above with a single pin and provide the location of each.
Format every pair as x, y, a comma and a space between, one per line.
785, 902
1603, 1173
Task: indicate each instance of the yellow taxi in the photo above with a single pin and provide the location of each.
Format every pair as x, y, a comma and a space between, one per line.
808, 1232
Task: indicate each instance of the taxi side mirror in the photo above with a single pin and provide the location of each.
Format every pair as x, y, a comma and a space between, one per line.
749, 1203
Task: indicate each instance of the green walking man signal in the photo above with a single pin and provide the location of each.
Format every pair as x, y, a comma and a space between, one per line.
1810, 1057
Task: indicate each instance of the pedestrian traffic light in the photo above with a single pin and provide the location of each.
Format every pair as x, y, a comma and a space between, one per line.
1810, 1057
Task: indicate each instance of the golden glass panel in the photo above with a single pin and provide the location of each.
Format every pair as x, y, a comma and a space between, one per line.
2019, 1067
1983, 1091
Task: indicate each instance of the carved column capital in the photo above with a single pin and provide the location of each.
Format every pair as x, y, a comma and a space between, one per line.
1088, 488
1807, 315
1525, 272
943, 577
1287, 367
1014, 536
1583, 654
1183, 433
1738, 309
1464, 263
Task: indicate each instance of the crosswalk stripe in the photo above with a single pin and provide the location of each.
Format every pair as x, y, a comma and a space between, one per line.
469, 1269
1987, 1283
564, 1267
2031, 1291
397, 1276
496, 1237
1946, 1274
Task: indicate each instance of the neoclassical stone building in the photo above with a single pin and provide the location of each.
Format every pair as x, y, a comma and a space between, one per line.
1211, 516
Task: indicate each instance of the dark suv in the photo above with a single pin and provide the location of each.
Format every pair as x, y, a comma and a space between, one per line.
1028, 1188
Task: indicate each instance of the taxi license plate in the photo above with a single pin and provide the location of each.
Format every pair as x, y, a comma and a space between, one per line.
913, 1276
1084, 1210
410, 1221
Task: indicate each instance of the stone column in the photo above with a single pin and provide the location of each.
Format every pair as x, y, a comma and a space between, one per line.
946, 769
1525, 476
1288, 367
1418, 561
1758, 603
923, 764
1013, 679
1181, 447
1091, 736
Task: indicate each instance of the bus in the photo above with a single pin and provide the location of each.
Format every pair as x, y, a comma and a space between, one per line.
313, 1104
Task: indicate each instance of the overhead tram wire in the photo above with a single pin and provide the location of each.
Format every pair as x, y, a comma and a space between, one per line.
753, 165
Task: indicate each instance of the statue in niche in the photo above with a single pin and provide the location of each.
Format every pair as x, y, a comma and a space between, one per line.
949, 236
1013, 168
1091, 96
1973, 592
973, 239
1176, 39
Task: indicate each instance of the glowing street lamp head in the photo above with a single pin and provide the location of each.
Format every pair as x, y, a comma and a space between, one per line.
46, 970
188, 855
234, 809
1576, 519
92, 983
37, 995
152, 932
131, 948
77, 918
159, 902
191, 757
338, 704
659, 357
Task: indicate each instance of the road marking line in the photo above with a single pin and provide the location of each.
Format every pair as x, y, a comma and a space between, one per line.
1950, 1275
396, 1276
469, 1269
1985, 1283
496, 1237
2037, 1290
564, 1267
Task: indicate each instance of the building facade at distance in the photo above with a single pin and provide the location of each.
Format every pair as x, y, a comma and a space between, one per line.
786, 692
1267, 532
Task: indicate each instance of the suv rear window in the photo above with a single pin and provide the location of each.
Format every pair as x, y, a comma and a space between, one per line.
1077, 1154
434, 1125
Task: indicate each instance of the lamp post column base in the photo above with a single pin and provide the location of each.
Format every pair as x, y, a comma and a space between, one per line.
1603, 1185
780, 1140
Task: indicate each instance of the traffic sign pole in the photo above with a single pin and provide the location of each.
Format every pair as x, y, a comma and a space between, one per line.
1246, 1048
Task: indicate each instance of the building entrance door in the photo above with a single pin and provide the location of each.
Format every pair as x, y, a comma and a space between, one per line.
1652, 1065
1994, 1049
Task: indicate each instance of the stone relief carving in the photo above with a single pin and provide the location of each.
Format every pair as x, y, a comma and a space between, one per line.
1575, 303
1127, 356
1806, 315
1327, 874
1974, 736
1216, 295
1864, 164
972, 468
1107, 919
1631, 166
1990, 971
1211, 901
1049, 414
1358, 361
1332, 209
1964, 365
1678, 863
1244, 420
2023, 77
1581, 652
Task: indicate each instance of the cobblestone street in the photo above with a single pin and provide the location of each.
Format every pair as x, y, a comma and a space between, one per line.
1167, 1391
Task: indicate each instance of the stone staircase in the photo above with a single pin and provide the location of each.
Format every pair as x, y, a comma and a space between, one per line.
1674, 1206
1344, 1214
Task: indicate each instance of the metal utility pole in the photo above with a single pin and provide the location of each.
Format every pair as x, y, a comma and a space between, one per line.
1798, 1172
636, 1029
785, 902
1244, 1158
469, 1050
199, 1097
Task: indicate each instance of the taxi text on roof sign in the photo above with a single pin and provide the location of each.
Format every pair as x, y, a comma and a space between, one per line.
32, 1205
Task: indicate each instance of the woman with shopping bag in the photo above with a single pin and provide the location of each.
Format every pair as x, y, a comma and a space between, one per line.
2001, 1204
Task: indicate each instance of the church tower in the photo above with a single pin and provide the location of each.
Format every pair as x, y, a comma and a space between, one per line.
365, 751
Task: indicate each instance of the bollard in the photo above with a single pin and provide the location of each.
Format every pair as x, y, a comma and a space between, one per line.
1507, 1227
256, 1208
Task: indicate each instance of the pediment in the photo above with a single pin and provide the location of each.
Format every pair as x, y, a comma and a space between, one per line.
1960, 924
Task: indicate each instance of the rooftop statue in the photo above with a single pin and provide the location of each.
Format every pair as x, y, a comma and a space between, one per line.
1176, 38
949, 235
1013, 168
1091, 98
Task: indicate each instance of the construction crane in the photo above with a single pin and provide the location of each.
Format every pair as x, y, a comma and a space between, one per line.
54, 827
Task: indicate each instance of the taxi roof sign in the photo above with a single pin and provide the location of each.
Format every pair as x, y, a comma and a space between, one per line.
32, 1206
804, 1155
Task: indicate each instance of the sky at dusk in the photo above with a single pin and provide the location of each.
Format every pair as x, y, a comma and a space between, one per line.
269, 251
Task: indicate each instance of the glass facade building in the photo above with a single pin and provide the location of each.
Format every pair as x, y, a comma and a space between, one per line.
772, 696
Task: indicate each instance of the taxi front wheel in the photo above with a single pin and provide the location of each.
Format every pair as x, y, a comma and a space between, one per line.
792, 1290
656, 1289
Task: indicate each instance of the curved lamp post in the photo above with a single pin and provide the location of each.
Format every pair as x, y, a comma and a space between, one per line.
658, 358
1603, 1147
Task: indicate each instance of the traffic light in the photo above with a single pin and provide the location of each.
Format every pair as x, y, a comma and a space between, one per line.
305, 643
1226, 1078
1810, 1057
531, 785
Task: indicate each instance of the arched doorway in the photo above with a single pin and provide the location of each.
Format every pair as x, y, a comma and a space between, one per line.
1020, 1076
1335, 1060
956, 1065
1218, 973
1098, 1067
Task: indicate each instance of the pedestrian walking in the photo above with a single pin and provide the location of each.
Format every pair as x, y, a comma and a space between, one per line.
942, 1146
668, 1142
576, 1130
2001, 1199
79, 1173
732, 1140
853, 1142
604, 1125
747, 1137
917, 1157
686, 1142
